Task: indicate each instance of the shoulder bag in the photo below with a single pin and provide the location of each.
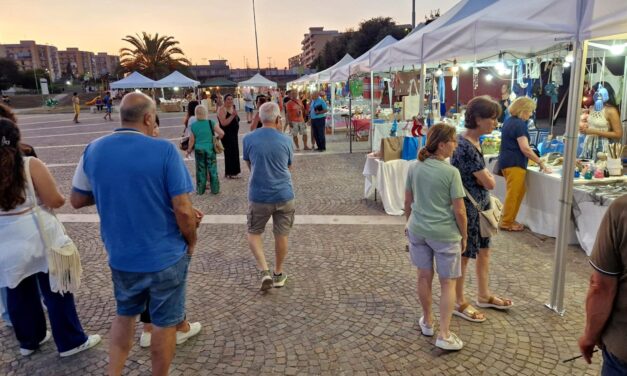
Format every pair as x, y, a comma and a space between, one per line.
488, 219
64, 262
217, 144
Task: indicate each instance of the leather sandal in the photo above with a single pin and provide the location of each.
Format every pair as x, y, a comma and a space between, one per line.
491, 303
514, 227
468, 312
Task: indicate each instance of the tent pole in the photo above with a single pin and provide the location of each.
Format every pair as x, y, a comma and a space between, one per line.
350, 118
371, 107
423, 82
623, 103
577, 70
332, 108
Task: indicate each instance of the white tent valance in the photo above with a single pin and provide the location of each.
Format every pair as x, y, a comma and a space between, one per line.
257, 81
134, 80
176, 79
360, 64
325, 75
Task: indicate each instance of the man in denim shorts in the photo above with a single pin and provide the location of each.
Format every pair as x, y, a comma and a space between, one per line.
141, 187
269, 154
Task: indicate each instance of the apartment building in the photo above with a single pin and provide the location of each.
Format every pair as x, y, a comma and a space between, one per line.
105, 63
313, 43
82, 64
295, 61
30, 55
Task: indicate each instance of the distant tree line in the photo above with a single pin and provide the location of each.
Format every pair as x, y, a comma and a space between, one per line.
10, 75
356, 42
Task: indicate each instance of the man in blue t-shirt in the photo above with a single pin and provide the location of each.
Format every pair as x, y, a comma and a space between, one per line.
108, 102
318, 114
269, 154
141, 187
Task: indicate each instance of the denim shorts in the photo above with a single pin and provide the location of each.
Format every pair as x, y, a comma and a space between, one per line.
162, 291
448, 256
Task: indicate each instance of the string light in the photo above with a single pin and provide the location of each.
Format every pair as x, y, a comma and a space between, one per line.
488, 77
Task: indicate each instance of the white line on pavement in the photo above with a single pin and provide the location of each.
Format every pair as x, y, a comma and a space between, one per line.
51, 121
241, 219
81, 133
115, 123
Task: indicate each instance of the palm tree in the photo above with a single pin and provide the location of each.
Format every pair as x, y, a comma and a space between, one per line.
152, 56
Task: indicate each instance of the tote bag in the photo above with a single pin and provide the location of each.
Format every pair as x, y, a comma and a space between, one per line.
411, 102
391, 147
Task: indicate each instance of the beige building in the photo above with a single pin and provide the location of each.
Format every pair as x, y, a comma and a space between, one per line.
30, 55
295, 62
106, 63
81, 63
314, 42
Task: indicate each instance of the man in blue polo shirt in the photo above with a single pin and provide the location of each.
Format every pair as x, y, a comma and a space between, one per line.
141, 188
318, 114
269, 154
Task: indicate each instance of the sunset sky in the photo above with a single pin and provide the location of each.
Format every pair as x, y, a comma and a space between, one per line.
206, 29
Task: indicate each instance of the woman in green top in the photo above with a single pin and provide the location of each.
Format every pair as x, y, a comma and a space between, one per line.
201, 141
436, 228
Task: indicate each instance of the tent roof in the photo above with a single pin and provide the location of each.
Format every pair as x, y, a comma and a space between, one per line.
219, 81
134, 80
409, 50
257, 81
325, 75
361, 63
176, 79
603, 18
299, 80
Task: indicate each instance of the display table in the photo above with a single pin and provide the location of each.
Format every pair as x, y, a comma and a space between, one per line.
388, 180
170, 106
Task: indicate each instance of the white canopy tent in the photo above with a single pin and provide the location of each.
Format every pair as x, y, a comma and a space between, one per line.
298, 81
134, 80
176, 79
325, 75
360, 64
257, 81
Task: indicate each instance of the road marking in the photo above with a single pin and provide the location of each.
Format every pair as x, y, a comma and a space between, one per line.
376, 220
81, 133
117, 125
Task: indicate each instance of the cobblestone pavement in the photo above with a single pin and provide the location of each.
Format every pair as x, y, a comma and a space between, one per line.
349, 306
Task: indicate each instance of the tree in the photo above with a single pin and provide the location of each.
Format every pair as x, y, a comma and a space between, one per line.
153, 56
9, 73
357, 42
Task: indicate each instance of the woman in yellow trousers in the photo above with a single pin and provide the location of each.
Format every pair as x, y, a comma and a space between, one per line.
513, 157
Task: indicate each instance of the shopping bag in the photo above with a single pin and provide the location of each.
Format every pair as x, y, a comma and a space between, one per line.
411, 102
410, 148
391, 148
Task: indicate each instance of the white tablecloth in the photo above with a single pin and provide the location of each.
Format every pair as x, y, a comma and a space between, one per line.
380, 130
388, 179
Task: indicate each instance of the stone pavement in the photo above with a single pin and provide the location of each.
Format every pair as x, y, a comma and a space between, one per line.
349, 306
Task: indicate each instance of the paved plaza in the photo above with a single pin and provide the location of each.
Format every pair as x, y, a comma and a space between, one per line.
349, 306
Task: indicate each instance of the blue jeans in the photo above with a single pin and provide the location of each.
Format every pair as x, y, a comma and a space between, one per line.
29, 321
3, 305
612, 366
163, 292
318, 126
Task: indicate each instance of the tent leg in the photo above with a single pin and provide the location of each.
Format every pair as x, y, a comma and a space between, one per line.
332, 108
556, 302
350, 122
371, 107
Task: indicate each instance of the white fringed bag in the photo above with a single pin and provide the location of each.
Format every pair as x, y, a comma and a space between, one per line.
64, 262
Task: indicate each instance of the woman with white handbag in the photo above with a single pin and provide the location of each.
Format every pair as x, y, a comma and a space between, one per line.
480, 119
27, 189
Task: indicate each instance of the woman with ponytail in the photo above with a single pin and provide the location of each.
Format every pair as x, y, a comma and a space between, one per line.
436, 228
23, 262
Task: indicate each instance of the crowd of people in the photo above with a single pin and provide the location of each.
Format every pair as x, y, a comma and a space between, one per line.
446, 191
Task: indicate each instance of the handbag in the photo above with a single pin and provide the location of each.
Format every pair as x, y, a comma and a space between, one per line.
64, 262
391, 148
488, 219
184, 142
410, 148
218, 148
411, 102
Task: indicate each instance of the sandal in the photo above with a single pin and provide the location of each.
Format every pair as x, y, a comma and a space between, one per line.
468, 312
452, 343
514, 227
491, 303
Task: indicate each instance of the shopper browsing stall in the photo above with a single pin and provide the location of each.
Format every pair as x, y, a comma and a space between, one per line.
318, 116
514, 154
602, 123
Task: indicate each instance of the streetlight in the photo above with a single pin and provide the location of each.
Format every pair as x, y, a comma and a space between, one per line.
256, 43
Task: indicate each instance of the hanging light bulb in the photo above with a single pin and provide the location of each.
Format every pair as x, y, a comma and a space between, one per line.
465, 67
569, 58
617, 49
455, 69
439, 72
488, 77
500, 65
505, 71
566, 64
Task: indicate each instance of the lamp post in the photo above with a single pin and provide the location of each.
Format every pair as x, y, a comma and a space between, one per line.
413, 14
256, 43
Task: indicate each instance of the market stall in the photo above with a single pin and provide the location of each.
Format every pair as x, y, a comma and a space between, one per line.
134, 80
174, 80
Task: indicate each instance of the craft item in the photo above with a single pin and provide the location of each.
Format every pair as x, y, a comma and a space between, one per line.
416, 129
410, 148
391, 147
411, 102
598, 174
577, 174
588, 175
615, 166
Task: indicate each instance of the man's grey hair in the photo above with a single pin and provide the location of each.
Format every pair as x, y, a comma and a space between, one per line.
134, 106
268, 112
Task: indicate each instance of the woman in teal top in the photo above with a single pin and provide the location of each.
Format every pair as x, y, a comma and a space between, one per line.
436, 228
201, 141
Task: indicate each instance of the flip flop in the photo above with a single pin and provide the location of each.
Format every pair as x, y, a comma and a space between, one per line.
490, 303
515, 227
468, 312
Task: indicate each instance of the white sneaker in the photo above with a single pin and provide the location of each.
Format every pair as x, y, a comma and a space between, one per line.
452, 343
426, 330
92, 341
144, 339
194, 328
26, 352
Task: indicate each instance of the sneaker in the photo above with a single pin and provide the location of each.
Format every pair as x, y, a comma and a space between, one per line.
452, 343
92, 341
27, 352
426, 330
266, 280
279, 280
144, 339
194, 328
